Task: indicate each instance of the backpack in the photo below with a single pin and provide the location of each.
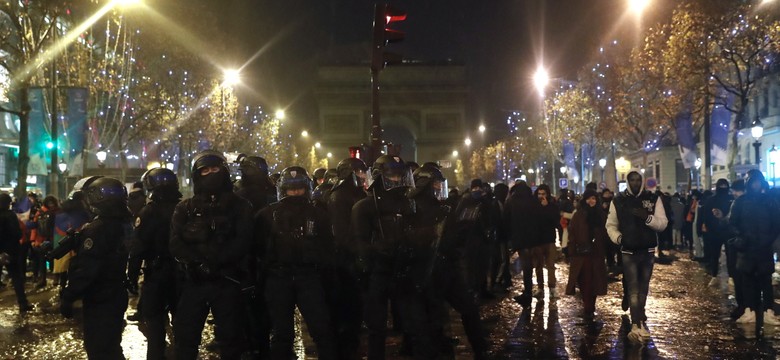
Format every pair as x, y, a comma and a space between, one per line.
46, 224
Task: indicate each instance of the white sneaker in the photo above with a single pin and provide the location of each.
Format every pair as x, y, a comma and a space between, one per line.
748, 317
644, 331
714, 282
770, 318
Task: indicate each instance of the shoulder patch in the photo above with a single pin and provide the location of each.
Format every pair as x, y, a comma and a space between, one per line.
87, 244
137, 222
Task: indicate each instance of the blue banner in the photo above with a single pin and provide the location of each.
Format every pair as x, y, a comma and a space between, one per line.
685, 140
568, 155
719, 129
38, 132
73, 123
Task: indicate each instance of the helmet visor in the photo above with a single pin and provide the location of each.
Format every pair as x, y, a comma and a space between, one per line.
440, 190
392, 179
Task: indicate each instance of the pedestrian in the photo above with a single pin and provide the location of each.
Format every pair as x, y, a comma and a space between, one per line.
545, 253
715, 233
689, 233
379, 225
210, 239
159, 293
10, 233
441, 279
635, 219
298, 242
41, 238
97, 272
587, 237
73, 216
614, 259
677, 219
754, 221
521, 218
500, 275
345, 301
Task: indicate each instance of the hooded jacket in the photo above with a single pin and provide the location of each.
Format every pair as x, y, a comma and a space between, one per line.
629, 231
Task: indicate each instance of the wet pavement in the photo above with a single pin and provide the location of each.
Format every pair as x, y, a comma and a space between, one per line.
687, 320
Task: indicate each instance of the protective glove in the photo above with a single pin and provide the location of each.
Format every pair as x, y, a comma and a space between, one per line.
66, 309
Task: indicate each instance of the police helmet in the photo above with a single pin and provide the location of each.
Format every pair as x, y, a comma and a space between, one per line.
432, 164
107, 196
319, 173
331, 177
208, 158
291, 178
321, 191
250, 165
431, 178
80, 188
351, 171
391, 172
159, 178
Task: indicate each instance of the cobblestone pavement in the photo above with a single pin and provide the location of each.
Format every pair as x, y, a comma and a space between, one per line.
687, 319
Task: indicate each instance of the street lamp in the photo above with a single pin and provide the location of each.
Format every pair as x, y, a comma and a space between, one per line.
317, 145
231, 77
467, 141
638, 6
563, 170
101, 156
454, 153
602, 164
280, 114
773, 158
62, 166
757, 131
697, 165
305, 133
541, 79
482, 128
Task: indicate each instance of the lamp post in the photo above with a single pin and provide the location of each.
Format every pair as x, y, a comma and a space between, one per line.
757, 131
541, 79
63, 181
697, 164
101, 156
602, 164
773, 157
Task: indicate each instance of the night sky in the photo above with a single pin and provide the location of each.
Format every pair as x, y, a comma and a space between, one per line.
498, 40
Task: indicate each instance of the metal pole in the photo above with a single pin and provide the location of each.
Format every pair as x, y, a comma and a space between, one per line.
54, 178
757, 146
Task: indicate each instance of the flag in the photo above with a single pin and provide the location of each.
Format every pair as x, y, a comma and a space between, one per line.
720, 120
685, 140
38, 134
73, 121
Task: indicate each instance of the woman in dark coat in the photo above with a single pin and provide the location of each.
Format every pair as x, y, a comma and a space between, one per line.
587, 237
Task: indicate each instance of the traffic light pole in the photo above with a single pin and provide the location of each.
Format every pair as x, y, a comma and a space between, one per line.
376, 125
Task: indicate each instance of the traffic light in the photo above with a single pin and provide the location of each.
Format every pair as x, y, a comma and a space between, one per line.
355, 152
384, 16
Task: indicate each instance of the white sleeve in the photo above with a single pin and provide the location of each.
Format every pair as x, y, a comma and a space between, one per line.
658, 220
612, 225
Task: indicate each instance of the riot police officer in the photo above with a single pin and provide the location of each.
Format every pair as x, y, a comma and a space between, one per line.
319, 176
381, 225
343, 286
441, 276
151, 244
210, 238
297, 239
255, 185
97, 272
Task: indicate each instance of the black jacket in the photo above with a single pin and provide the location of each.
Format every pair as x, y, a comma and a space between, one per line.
521, 216
293, 232
10, 233
716, 229
211, 230
380, 225
101, 259
151, 240
341, 200
751, 219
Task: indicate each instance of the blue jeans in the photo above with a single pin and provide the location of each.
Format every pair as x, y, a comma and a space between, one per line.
637, 269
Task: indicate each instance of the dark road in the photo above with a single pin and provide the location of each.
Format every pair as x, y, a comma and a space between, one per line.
687, 320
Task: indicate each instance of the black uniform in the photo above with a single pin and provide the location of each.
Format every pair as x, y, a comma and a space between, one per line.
210, 238
159, 290
443, 278
259, 192
97, 276
10, 233
296, 237
381, 225
346, 306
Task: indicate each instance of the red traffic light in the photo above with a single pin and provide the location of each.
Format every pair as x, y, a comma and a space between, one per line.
392, 14
354, 152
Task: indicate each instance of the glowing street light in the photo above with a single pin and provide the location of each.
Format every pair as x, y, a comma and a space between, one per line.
101, 155
541, 79
482, 128
330, 155
317, 145
454, 153
638, 6
305, 133
231, 77
603, 163
280, 114
467, 141
62, 166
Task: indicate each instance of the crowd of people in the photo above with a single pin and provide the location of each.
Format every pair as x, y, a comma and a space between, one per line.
354, 245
